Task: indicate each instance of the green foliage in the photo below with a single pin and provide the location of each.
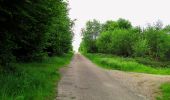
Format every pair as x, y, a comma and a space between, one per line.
110, 26
6, 45
124, 24
60, 33
125, 64
141, 48
93, 30
32, 81
167, 29
117, 42
90, 34
152, 62
165, 89
158, 42
121, 38
104, 42
119, 24
82, 48
30, 29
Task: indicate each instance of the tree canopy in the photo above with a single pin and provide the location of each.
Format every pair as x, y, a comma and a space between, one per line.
31, 29
122, 39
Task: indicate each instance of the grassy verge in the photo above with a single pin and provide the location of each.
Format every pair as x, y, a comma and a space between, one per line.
125, 64
165, 89
32, 81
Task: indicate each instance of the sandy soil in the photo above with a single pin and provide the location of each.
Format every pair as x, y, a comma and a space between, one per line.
83, 80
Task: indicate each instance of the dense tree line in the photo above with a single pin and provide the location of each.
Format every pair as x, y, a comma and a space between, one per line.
122, 39
32, 29
90, 33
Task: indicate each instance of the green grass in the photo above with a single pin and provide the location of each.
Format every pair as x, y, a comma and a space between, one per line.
165, 89
125, 64
32, 81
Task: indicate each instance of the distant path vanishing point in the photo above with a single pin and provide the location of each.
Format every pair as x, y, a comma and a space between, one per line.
83, 80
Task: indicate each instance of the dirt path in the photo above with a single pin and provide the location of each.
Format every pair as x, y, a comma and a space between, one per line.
83, 80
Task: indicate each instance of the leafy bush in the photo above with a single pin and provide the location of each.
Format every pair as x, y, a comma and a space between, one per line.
121, 38
117, 42
158, 42
141, 48
152, 62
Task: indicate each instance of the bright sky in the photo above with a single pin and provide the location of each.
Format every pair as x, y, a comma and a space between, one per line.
139, 12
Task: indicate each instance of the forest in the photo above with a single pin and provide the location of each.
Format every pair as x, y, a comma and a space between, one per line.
35, 41
30, 30
122, 39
